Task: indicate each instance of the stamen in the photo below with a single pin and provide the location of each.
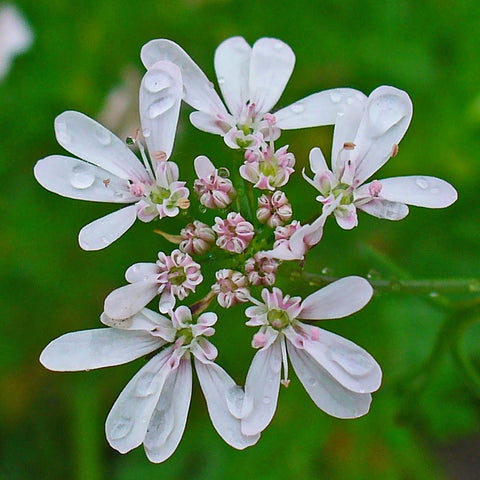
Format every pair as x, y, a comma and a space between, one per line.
285, 381
394, 150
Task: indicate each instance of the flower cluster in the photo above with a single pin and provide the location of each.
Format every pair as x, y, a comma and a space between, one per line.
238, 222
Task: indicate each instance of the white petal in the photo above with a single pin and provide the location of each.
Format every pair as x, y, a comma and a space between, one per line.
198, 90
160, 98
104, 231
127, 422
271, 65
420, 191
216, 383
324, 390
385, 209
318, 109
139, 272
337, 300
130, 299
75, 178
92, 142
209, 123
203, 167
261, 388
232, 64
348, 363
146, 320
170, 415
98, 348
318, 165
386, 118
346, 126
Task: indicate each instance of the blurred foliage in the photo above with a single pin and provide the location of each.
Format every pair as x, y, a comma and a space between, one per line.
52, 424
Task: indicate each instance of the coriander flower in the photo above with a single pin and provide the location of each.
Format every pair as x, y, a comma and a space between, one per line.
171, 276
152, 409
251, 79
337, 374
108, 171
366, 135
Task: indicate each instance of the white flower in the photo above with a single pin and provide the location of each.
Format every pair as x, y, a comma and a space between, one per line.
110, 172
337, 374
365, 137
152, 409
15, 36
251, 79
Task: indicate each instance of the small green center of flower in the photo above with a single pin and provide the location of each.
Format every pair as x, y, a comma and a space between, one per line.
176, 276
159, 194
278, 319
269, 167
346, 192
186, 334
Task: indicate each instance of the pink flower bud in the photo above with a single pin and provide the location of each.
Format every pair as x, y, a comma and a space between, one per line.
234, 232
197, 238
283, 234
274, 210
261, 270
230, 288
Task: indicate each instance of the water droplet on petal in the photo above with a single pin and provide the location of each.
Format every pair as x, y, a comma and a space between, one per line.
103, 136
121, 428
105, 240
202, 209
298, 108
335, 96
435, 191
221, 80
354, 362
350, 100
146, 132
82, 176
422, 183
155, 81
266, 400
234, 397
385, 112
143, 385
160, 106
312, 381
279, 45
62, 134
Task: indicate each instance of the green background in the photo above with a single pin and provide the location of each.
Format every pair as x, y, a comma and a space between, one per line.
424, 421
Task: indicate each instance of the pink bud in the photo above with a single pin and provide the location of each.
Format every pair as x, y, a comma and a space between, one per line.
234, 233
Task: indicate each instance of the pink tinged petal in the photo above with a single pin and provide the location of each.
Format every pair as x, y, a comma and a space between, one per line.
324, 390
207, 319
198, 90
92, 142
385, 209
127, 422
318, 109
232, 65
139, 272
420, 191
77, 179
204, 350
218, 389
104, 231
210, 123
386, 118
160, 98
169, 418
346, 216
98, 348
271, 66
262, 387
130, 299
203, 167
146, 320
348, 363
337, 300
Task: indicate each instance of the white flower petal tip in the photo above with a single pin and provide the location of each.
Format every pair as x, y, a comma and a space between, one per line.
104, 231
160, 98
338, 299
420, 191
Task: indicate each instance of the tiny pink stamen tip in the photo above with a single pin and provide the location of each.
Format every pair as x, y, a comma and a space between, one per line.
270, 118
375, 188
315, 334
394, 150
285, 382
277, 323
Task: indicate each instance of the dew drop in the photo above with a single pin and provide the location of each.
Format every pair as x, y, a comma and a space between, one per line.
312, 381
385, 112
223, 172
62, 134
335, 97
279, 45
221, 80
234, 397
146, 132
202, 208
103, 136
82, 176
267, 400
155, 81
350, 100
105, 240
433, 294
298, 108
435, 191
355, 363
143, 385
121, 428
421, 183
161, 106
